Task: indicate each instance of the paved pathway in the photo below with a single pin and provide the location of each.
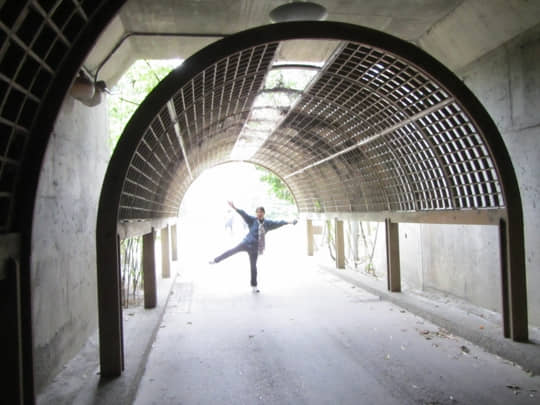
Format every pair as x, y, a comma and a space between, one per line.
311, 338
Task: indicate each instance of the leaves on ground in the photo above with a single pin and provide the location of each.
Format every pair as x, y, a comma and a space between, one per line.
441, 332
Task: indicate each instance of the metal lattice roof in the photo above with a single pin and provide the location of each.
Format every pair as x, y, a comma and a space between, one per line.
34, 39
438, 160
371, 132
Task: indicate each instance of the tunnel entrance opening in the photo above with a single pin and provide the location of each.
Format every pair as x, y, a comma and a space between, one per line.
382, 132
208, 225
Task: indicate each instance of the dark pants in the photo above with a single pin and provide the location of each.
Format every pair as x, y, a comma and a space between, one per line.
251, 251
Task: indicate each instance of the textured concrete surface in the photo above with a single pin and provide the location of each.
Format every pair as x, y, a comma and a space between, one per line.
63, 265
455, 31
476, 324
476, 27
311, 338
462, 260
79, 381
507, 82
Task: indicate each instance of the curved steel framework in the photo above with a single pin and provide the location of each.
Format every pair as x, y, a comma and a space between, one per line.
43, 44
382, 131
373, 132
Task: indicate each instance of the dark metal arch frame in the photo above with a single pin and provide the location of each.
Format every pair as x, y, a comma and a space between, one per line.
511, 225
18, 362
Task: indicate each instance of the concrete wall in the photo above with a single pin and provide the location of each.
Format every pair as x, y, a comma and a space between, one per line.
63, 241
507, 81
464, 261
456, 259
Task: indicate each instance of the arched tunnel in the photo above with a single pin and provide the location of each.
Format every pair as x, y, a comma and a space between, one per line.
378, 129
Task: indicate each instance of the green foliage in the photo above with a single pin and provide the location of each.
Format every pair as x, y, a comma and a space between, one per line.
277, 187
131, 90
296, 79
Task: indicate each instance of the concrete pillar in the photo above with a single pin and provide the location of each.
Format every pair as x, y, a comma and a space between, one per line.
340, 244
149, 270
165, 253
392, 256
310, 239
513, 283
174, 242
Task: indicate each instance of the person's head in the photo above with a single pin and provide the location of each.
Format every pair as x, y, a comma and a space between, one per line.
260, 212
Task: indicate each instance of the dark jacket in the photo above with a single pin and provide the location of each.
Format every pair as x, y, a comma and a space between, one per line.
252, 238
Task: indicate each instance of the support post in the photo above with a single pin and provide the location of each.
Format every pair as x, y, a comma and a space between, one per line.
12, 367
119, 267
111, 338
393, 275
310, 239
355, 235
503, 246
513, 281
11, 336
149, 270
174, 242
340, 244
165, 253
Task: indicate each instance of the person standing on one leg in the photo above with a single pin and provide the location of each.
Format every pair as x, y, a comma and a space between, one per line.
254, 242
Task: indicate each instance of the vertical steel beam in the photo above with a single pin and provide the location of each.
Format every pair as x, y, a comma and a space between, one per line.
12, 366
174, 242
393, 275
119, 267
340, 244
503, 246
513, 281
109, 304
165, 252
310, 239
149, 270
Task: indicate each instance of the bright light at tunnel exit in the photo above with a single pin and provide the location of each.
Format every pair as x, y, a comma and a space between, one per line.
208, 226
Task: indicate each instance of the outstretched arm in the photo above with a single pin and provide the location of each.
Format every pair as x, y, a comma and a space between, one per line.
247, 218
271, 225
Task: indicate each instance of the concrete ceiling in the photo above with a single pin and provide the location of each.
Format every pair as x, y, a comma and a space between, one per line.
454, 31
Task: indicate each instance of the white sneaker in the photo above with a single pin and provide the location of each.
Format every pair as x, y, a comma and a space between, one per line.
255, 290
